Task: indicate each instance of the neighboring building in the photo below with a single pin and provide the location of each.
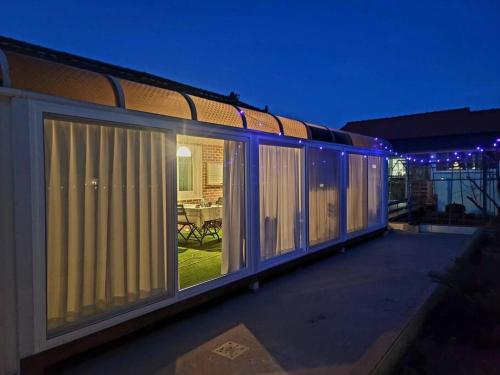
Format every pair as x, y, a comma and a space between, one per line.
450, 130
443, 158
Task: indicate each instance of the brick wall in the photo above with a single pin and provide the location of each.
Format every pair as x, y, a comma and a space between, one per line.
214, 154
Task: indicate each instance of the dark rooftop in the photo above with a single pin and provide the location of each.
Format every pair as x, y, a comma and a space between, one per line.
461, 121
457, 129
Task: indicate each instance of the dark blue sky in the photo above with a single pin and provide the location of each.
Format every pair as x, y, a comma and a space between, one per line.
321, 61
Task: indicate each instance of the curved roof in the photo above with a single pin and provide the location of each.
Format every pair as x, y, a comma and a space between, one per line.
28, 73
294, 128
38, 69
146, 98
261, 121
216, 112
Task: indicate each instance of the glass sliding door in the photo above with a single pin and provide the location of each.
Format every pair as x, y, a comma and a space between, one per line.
280, 195
210, 208
356, 193
374, 190
106, 218
324, 211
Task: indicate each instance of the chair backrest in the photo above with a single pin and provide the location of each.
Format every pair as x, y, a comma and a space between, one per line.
181, 213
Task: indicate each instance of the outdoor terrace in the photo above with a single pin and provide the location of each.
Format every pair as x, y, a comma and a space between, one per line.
334, 316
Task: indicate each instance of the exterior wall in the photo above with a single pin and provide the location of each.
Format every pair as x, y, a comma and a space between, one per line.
22, 270
8, 353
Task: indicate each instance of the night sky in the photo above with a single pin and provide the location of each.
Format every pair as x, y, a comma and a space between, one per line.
325, 62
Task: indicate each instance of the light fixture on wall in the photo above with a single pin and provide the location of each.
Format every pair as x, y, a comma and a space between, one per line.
183, 152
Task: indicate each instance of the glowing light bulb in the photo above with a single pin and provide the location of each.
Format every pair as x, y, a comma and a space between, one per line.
183, 152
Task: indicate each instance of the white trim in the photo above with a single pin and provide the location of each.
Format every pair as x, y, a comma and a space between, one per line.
24, 223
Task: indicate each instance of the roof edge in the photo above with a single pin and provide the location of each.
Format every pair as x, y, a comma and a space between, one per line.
44, 53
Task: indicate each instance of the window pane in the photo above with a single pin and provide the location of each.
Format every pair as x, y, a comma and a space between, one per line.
323, 195
374, 190
106, 218
211, 225
356, 193
280, 179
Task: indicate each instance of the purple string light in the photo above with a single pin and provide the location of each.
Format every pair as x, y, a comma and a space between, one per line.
458, 154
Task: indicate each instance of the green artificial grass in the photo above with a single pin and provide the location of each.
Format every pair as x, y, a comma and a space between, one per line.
199, 263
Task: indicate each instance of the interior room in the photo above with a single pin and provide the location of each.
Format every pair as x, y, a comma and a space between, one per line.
210, 208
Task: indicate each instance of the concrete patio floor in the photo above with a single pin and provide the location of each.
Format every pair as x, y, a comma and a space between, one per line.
327, 318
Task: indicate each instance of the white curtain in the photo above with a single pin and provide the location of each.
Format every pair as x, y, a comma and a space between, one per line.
323, 195
233, 222
280, 200
374, 189
185, 173
106, 218
356, 193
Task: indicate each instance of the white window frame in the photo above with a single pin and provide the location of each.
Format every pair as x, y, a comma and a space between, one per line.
196, 159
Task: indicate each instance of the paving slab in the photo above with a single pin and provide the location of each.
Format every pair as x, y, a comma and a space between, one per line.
325, 318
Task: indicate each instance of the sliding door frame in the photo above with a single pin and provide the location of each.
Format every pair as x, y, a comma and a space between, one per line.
196, 130
341, 195
383, 190
298, 252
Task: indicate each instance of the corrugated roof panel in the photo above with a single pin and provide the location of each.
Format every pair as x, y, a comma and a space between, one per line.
145, 98
293, 128
46, 77
261, 121
320, 133
216, 112
341, 137
359, 140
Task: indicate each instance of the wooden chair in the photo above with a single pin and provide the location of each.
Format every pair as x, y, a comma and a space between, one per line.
183, 223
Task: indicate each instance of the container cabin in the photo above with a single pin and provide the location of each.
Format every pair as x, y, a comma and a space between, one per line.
126, 197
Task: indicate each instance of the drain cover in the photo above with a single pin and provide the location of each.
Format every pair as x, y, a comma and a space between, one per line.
231, 349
